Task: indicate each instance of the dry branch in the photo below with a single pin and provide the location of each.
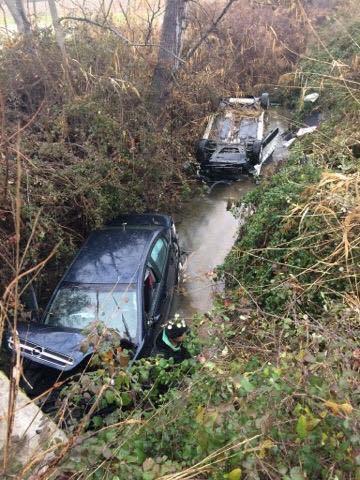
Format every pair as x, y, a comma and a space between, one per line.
116, 31
212, 27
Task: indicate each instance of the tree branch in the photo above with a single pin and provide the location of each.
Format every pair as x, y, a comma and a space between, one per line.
209, 30
100, 25
114, 30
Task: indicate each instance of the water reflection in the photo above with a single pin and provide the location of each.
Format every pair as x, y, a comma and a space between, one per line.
207, 231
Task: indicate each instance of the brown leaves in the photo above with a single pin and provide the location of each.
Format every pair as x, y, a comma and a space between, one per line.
356, 359
344, 409
227, 302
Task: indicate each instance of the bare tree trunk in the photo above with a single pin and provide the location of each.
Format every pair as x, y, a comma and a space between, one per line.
60, 39
17, 10
169, 51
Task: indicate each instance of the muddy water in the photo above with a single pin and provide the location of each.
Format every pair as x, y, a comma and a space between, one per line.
207, 232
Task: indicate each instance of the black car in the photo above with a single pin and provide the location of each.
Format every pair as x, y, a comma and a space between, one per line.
124, 276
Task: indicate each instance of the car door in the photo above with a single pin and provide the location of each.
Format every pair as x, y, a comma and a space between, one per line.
173, 266
155, 291
159, 262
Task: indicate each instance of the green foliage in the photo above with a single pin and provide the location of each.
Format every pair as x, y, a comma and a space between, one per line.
111, 385
253, 260
280, 257
278, 397
226, 403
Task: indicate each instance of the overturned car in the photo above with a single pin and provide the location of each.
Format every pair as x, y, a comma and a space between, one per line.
123, 276
236, 140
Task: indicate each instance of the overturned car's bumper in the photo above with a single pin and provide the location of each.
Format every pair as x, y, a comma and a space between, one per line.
216, 171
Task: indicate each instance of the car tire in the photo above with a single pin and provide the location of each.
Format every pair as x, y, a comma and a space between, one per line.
265, 101
204, 149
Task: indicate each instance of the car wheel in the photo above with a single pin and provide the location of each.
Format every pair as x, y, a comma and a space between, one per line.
265, 101
204, 149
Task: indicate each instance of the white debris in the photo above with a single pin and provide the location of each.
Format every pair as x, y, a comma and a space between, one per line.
241, 101
304, 131
257, 168
312, 97
288, 143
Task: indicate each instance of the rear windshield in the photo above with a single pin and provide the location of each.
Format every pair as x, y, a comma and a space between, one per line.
77, 306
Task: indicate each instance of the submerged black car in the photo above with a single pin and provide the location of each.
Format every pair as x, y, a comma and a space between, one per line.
124, 276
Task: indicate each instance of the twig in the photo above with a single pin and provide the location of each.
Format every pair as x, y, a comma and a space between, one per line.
210, 29
114, 30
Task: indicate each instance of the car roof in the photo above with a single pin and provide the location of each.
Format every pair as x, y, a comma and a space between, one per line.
112, 255
157, 219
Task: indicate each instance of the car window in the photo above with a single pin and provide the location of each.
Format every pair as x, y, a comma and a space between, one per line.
78, 306
149, 288
158, 254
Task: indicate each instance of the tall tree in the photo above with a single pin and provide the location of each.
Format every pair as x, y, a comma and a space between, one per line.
16, 8
169, 50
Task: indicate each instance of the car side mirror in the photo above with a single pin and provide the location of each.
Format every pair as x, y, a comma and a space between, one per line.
31, 307
35, 315
153, 320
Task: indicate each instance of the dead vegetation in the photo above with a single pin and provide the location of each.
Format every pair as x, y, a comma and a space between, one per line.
334, 203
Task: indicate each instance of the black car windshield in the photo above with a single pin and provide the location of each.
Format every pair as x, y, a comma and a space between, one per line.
76, 306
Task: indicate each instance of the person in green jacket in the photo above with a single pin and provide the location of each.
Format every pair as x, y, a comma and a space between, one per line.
170, 341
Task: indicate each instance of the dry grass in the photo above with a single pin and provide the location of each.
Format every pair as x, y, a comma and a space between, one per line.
334, 203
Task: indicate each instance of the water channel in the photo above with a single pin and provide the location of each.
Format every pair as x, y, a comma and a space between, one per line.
207, 232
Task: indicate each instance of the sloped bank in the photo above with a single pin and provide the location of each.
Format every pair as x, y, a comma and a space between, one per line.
297, 265
32, 431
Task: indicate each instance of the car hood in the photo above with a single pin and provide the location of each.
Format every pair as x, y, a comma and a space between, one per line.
56, 347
